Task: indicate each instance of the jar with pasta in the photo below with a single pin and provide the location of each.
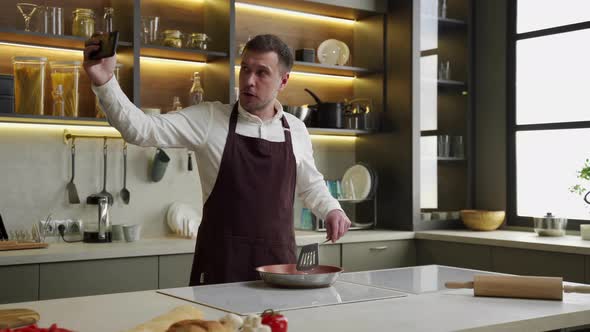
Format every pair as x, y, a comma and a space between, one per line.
83, 22
29, 84
67, 74
98, 110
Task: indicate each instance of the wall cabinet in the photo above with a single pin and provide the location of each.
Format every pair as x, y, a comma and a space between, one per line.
19, 283
152, 74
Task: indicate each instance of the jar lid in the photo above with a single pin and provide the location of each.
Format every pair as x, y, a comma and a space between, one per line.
29, 59
65, 63
83, 11
199, 36
172, 33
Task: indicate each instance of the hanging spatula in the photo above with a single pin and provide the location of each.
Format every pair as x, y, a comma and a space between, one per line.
309, 257
71, 187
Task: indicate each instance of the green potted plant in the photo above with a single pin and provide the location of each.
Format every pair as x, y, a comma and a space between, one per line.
583, 174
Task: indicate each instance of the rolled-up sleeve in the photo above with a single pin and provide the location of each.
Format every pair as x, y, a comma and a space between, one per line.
186, 128
311, 187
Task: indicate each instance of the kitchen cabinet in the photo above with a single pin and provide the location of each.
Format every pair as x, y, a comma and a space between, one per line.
19, 283
540, 263
470, 256
571, 267
174, 270
152, 74
378, 255
80, 278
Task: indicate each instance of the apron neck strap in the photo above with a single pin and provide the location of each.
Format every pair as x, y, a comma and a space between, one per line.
233, 120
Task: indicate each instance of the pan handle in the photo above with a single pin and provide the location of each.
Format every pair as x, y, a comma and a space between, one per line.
577, 289
315, 97
458, 285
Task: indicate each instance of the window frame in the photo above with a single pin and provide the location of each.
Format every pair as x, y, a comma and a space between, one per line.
512, 128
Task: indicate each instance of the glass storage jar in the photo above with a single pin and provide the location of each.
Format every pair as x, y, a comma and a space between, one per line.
197, 41
83, 22
29, 84
172, 38
98, 110
67, 74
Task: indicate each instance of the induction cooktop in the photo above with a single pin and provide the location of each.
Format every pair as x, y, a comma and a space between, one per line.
252, 297
415, 279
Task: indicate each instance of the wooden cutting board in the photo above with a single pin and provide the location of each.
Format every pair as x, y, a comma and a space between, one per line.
10, 318
15, 245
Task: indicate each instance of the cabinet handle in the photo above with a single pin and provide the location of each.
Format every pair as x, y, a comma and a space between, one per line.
378, 248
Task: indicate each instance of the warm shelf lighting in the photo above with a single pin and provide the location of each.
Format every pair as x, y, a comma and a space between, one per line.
326, 76
57, 128
293, 13
333, 138
79, 52
173, 61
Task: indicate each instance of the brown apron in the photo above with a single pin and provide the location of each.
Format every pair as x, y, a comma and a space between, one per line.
248, 218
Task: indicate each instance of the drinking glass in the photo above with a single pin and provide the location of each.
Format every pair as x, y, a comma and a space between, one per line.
27, 10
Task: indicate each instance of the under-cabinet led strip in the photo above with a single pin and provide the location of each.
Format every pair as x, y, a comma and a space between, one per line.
237, 68
173, 61
80, 52
293, 13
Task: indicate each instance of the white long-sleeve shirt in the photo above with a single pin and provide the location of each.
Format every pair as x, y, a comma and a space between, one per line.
203, 129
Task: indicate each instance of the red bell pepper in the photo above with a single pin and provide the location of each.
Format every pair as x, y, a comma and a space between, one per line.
274, 319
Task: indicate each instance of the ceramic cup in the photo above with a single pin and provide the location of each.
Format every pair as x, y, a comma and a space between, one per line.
132, 233
117, 232
439, 215
425, 216
585, 232
161, 160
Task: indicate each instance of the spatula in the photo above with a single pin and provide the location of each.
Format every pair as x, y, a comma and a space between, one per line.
308, 257
71, 187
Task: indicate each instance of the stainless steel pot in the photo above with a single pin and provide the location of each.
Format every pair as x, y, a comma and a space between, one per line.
550, 225
287, 275
301, 112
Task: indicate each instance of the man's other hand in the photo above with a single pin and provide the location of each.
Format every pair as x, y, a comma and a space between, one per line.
337, 224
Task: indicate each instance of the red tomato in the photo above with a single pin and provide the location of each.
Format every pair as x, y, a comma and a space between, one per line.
274, 319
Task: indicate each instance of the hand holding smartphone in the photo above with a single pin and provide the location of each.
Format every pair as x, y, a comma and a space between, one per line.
108, 46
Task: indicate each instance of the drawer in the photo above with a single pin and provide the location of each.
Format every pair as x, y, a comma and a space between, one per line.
19, 283
468, 256
378, 255
175, 270
69, 279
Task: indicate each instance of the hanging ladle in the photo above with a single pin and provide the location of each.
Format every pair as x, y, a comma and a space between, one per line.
125, 194
104, 192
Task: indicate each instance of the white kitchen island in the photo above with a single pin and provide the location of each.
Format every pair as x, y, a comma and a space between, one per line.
425, 307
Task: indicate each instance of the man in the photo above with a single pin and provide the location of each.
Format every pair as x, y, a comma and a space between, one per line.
251, 156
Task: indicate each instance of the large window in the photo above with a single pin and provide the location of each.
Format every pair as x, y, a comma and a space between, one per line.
549, 118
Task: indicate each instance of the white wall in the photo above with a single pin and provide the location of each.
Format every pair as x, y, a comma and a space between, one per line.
35, 168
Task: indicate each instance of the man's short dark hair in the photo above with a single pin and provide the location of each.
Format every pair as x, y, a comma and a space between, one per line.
271, 43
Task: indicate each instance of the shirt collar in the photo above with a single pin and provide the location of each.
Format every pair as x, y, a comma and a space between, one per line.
253, 118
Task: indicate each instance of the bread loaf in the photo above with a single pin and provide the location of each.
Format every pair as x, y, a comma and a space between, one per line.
199, 325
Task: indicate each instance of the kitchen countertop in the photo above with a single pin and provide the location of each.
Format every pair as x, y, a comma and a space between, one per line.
61, 252
433, 311
513, 239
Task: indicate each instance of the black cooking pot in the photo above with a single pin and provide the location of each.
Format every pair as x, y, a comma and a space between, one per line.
326, 115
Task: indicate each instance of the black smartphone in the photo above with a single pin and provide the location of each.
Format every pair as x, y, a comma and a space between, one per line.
108, 46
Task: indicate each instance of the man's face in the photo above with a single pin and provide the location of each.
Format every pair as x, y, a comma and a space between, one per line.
261, 79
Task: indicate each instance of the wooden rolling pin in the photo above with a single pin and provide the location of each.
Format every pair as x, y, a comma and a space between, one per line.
548, 288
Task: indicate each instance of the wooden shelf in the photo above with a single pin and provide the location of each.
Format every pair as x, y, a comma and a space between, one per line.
451, 84
337, 132
450, 22
47, 119
318, 68
184, 54
46, 40
451, 159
